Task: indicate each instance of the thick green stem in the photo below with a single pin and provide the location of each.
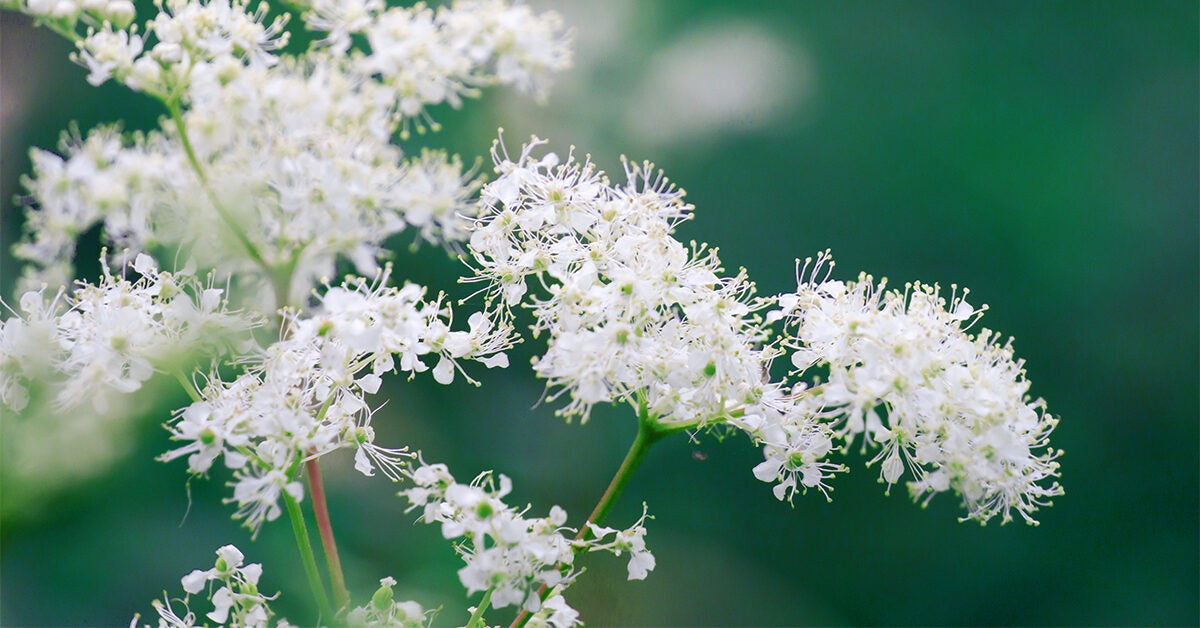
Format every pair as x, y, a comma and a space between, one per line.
340, 594
300, 529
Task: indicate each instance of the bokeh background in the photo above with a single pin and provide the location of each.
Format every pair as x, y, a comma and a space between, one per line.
1045, 154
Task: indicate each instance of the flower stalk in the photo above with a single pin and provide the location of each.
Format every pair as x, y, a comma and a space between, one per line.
316, 487
649, 432
300, 531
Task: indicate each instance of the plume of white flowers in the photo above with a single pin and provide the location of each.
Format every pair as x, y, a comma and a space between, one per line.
906, 376
634, 315
430, 56
110, 338
508, 554
305, 395
272, 166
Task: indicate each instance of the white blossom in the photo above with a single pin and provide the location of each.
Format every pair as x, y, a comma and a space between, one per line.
306, 395
429, 56
507, 553
110, 338
230, 586
109, 53
632, 314
69, 13
905, 375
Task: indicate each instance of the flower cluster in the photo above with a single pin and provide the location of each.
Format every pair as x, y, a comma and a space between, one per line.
305, 395
633, 314
110, 338
432, 56
236, 600
275, 165
904, 373
509, 555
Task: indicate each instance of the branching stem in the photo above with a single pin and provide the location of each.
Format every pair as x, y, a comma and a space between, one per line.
650, 431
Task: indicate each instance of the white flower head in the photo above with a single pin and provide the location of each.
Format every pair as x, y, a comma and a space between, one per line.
633, 314
307, 395
905, 375
510, 554
230, 587
112, 337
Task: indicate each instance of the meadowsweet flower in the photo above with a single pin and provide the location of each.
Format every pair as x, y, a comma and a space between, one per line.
556, 613
109, 53
306, 395
429, 56
301, 145
634, 315
110, 338
632, 540
189, 32
507, 553
68, 13
904, 375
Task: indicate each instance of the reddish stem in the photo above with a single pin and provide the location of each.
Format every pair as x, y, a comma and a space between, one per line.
340, 594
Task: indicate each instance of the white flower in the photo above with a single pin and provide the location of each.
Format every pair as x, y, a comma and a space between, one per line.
555, 612
232, 591
109, 53
437, 197
429, 57
632, 540
204, 31
633, 314
69, 12
505, 552
906, 376
306, 395
110, 338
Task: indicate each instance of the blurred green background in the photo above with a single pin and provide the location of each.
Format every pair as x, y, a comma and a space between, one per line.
1045, 154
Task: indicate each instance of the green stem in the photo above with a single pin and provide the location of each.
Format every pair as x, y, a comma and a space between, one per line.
60, 27
476, 620
188, 386
340, 594
300, 529
650, 431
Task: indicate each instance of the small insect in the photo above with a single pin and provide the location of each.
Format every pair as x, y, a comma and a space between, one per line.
699, 455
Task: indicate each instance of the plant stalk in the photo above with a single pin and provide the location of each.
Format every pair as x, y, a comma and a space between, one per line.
300, 529
340, 594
